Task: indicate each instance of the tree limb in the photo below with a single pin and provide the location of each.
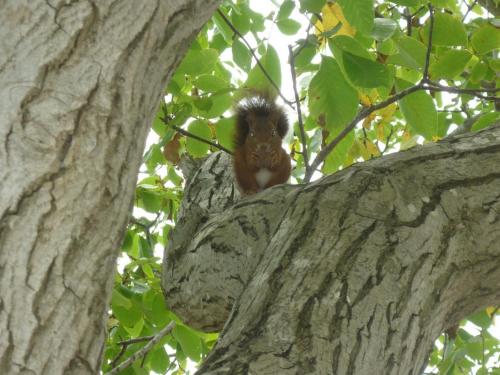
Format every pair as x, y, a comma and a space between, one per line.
153, 340
303, 276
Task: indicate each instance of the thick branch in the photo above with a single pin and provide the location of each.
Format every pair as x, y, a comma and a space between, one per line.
355, 273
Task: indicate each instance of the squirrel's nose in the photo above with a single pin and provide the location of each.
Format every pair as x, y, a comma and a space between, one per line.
264, 147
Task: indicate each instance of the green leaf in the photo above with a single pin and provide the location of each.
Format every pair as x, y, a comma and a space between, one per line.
448, 31
387, 47
411, 53
486, 120
128, 240
148, 271
158, 360
210, 83
136, 329
224, 131
486, 39
285, 9
151, 200
219, 43
359, 13
419, 111
331, 95
191, 62
221, 102
127, 317
241, 20
181, 113
312, 6
288, 26
449, 64
189, 342
271, 63
223, 28
337, 157
118, 299
305, 56
193, 146
383, 28
347, 44
159, 313
154, 157
409, 3
365, 73
203, 103
145, 250
241, 55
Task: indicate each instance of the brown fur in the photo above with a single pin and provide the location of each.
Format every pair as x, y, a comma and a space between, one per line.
260, 128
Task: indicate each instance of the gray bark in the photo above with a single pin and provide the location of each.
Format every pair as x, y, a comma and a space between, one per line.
79, 84
356, 273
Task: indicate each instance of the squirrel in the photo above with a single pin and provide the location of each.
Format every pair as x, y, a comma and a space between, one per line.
259, 161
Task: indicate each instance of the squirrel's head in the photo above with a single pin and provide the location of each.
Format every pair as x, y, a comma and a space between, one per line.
261, 124
263, 133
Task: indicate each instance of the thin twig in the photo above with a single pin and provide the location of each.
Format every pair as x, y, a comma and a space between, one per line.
407, 16
146, 227
135, 341
264, 71
299, 112
432, 86
469, 8
425, 77
194, 136
387, 141
164, 119
165, 331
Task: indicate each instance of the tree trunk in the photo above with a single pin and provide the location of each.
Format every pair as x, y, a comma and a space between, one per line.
79, 85
356, 273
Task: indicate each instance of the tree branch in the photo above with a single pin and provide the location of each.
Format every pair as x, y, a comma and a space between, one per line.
153, 340
165, 120
360, 116
299, 111
425, 77
256, 58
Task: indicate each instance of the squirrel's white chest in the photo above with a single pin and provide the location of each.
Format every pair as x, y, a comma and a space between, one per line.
263, 176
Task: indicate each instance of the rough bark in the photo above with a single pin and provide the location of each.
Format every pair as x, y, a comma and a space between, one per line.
79, 84
356, 273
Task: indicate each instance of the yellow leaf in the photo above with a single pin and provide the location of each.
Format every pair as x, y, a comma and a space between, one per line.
380, 132
491, 310
364, 99
406, 135
387, 112
332, 15
371, 149
368, 120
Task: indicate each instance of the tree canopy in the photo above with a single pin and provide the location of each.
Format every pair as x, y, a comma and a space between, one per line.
363, 78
